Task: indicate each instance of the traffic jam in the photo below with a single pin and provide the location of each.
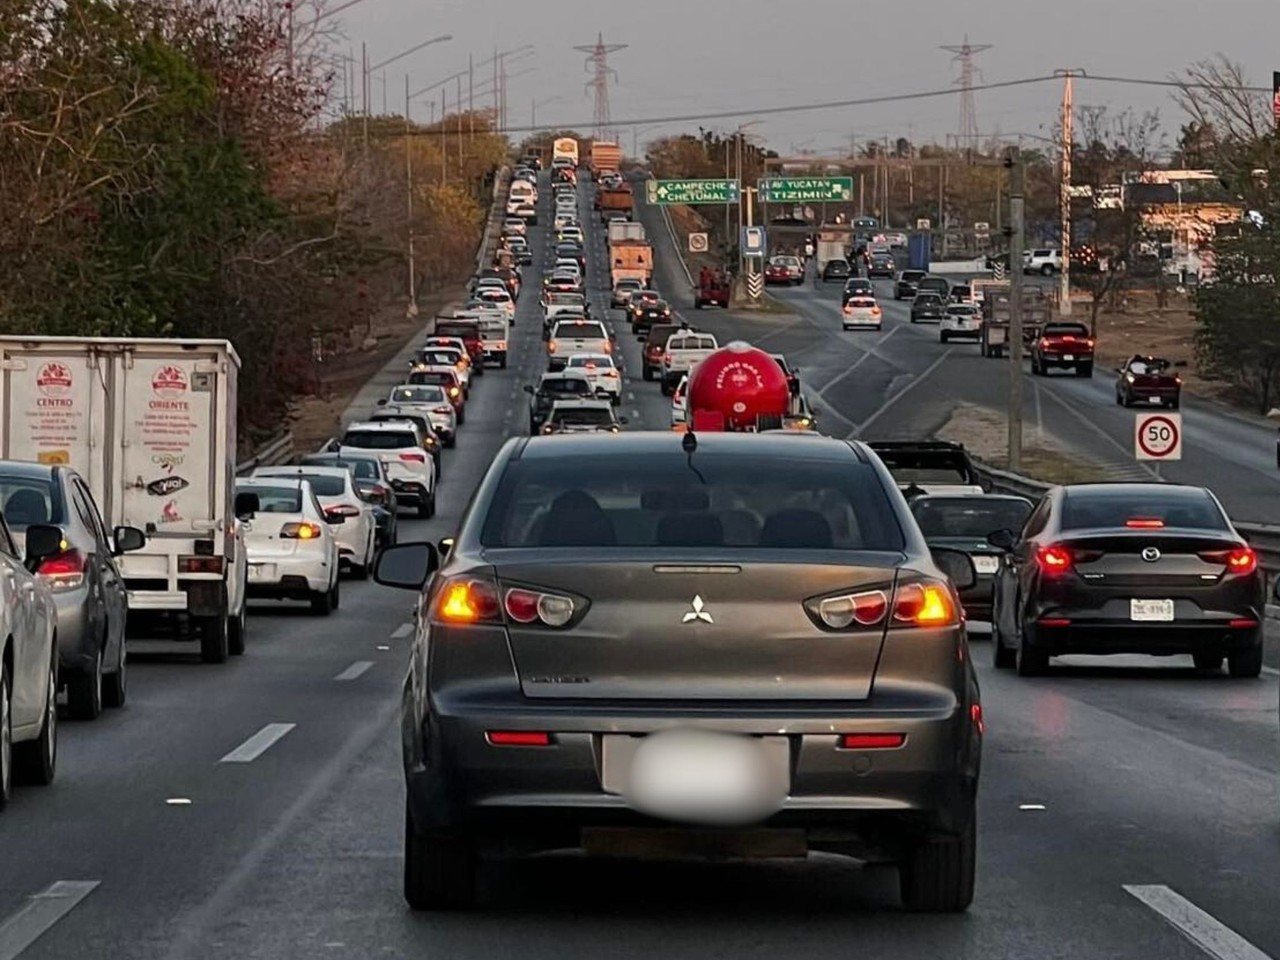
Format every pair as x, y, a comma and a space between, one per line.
721, 631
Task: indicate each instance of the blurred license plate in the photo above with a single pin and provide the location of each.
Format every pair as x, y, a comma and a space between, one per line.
262, 571
986, 564
1155, 400
1068, 356
1159, 611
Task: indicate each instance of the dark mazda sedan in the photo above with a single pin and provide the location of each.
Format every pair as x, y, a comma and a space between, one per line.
722, 641
1148, 568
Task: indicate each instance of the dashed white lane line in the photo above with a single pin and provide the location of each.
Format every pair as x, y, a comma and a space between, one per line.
862, 427
258, 744
1202, 929
402, 631
41, 912
355, 671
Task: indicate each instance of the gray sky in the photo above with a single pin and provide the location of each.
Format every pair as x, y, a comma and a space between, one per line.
702, 56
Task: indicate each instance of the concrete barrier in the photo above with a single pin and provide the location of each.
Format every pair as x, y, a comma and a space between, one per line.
945, 267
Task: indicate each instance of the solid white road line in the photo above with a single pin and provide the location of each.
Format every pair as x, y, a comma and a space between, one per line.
41, 912
871, 352
1214, 938
862, 427
402, 631
355, 671
258, 744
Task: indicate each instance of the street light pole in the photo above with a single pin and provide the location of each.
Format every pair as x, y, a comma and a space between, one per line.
1068, 110
412, 310
1017, 189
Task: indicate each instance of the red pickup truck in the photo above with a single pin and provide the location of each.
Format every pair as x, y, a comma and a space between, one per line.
1063, 344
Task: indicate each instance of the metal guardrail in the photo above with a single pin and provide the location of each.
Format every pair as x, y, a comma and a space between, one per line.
271, 454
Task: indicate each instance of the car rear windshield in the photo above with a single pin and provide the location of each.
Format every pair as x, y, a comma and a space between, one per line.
1066, 330
913, 275
379, 439
1083, 510
29, 500
424, 393
437, 358
361, 468
283, 499
1149, 367
928, 466
441, 378
662, 500
974, 517
581, 331
463, 331
570, 386
592, 416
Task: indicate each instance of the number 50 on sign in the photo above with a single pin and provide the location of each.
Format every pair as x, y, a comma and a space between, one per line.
1157, 436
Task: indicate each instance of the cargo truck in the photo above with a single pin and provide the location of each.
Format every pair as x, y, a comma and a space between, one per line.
151, 426
604, 158
565, 148
630, 260
617, 201
833, 243
1037, 310
625, 230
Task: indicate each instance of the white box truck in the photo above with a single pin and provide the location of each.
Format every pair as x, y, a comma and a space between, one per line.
151, 426
625, 230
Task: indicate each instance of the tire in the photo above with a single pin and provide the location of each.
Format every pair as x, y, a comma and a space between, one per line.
6, 736
84, 691
237, 627
1175, 403
335, 594
427, 508
942, 337
697, 304
1208, 662
215, 645
1002, 658
115, 685
1029, 661
1046, 271
462, 416
37, 762
937, 876
439, 869
666, 388
1085, 370
502, 364
322, 603
1245, 663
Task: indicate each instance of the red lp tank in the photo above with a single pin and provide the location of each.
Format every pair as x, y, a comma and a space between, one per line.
737, 388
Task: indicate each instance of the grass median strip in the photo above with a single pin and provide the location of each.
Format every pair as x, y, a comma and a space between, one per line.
984, 434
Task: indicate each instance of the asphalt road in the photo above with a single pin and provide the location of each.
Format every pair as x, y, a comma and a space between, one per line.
1119, 798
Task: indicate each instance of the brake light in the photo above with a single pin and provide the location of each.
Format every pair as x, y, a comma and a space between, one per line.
200, 563
875, 311
63, 571
467, 601
666, 359
442, 409
1044, 343
1054, 560
342, 510
1068, 338
532, 606
517, 738
414, 457
608, 347
924, 604
1143, 523
872, 741
1089, 342
453, 391
300, 531
551, 347
1240, 561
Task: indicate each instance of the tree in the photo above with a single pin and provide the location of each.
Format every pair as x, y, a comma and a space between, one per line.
1110, 154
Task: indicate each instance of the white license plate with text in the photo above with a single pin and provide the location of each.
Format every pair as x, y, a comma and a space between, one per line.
1068, 356
1151, 611
986, 564
262, 571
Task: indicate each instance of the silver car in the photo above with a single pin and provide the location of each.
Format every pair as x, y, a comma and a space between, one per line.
736, 639
83, 577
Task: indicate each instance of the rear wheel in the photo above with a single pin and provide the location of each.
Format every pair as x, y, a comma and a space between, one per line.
1245, 663
648, 373
1085, 370
322, 603
37, 761
439, 869
1029, 661
1208, 662
84, 691
215, 644
427, 507
115, 685
6, 737
937, 876
236, 629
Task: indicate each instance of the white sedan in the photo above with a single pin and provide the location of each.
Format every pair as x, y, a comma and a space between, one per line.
427, 400
335, 490
960, 320
290, 546
679, 403
601, 372
862, 312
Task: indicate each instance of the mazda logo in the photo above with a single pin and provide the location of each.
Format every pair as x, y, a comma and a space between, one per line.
1151, 554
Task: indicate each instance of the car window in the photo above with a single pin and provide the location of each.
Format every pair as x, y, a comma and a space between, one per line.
417, 393
362, 468
271, 499
582, 331
444, 378
7, 546
28, 500
1082, 510
88, 512
323, 484
928, 466
593, 416
379, 439
974, 517
568, 385
771, 503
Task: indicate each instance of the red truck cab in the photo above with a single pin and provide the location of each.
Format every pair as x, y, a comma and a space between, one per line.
468, 331
713, 288
1063, 344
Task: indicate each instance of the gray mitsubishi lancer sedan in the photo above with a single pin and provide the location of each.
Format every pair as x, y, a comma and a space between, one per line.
724, 644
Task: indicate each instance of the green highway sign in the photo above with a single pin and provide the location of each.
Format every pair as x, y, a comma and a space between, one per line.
806, 189
693, 191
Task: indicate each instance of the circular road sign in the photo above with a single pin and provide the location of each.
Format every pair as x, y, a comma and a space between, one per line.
1159, 436
697, 243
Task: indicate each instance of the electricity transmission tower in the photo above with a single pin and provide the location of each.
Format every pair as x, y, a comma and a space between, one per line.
598, 63
968, 133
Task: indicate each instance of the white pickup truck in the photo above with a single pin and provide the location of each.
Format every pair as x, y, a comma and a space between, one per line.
682, 352
576, 336
493, 339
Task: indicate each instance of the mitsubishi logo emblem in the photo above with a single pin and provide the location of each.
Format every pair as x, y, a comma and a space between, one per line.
1151, 554
697, 613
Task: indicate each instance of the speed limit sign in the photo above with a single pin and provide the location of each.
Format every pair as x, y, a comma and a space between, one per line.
1157, 436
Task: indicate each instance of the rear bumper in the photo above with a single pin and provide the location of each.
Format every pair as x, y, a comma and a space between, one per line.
1086, 634
410, 491
1059, 356
288, 578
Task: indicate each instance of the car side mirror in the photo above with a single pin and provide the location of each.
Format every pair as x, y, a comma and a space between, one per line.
246, 505
406, 566
44, 540
444, 546
129, 538
957, 565
1002, 539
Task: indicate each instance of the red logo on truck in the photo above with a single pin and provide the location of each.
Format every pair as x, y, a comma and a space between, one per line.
169, 382
54, 379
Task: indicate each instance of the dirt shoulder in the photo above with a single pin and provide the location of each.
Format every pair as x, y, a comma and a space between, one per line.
984, 433
686, 220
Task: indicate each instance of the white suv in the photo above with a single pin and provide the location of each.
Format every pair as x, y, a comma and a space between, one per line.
410, 467
1042, 261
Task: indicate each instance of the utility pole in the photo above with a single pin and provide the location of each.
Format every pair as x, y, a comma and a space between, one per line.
1068, 111
444, 153
412, 310
597, 63
364, 91
471, 95
1017, 224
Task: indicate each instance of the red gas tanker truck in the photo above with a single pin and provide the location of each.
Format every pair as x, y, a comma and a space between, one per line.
740, 388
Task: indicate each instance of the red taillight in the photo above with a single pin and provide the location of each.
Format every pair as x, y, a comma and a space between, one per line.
1044, 344
1243, 623
872, 741
342, 510
63, 571
518, 738
1053, 622
1242, 560
467, 601
200, 564
865, 609
533, 606
1089, 343
924, 604
453, 391
442, 409
1054, 560
299, 531
414, 457
975, 714
1144, 523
